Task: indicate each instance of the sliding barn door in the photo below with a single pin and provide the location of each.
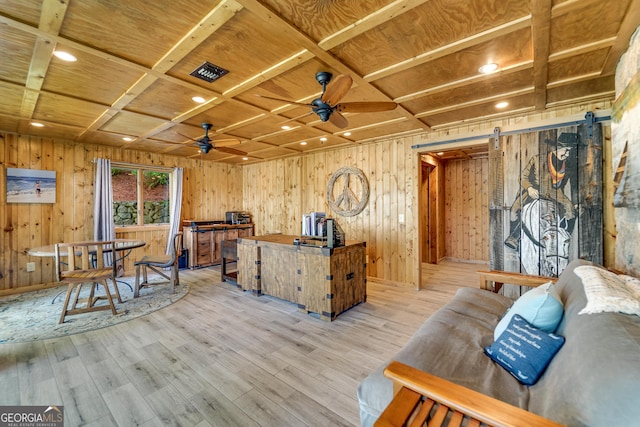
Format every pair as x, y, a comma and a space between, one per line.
546, 199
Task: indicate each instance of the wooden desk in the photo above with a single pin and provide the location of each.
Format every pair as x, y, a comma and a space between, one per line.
321, 281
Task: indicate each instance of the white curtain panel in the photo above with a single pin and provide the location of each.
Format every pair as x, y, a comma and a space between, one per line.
176, 205
103, 228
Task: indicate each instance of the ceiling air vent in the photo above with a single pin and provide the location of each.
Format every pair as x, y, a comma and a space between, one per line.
209, 72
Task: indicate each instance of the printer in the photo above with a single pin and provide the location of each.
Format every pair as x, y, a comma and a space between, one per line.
237, 217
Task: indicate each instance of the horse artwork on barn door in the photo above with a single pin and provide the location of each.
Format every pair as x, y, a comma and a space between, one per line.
546, 199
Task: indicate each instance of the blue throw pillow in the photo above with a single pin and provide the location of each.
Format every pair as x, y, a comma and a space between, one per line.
540, 306
524, 350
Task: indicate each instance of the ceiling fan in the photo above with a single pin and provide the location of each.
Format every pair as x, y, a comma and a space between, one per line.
206, 144
328, 106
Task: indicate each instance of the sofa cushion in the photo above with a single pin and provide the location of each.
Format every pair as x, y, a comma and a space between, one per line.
540, 306
609, 292
524, 350
450, 345
595, 379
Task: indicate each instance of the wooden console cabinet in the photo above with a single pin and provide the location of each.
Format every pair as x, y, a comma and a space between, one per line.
204, 242
321, 281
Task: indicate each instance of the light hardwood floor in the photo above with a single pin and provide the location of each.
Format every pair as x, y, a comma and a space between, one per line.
223, 357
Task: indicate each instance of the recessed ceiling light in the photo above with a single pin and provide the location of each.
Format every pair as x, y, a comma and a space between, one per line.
36, 124
127, 138
245, 158
198, 99
502, 104
440, 153
65, 56
347, 134
323, 139
488, 68
303, 143
286, 127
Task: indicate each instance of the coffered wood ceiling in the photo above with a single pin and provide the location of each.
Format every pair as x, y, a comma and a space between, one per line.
132, 77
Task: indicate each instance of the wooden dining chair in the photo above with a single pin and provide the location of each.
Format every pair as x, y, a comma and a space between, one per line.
83, 263
158, 264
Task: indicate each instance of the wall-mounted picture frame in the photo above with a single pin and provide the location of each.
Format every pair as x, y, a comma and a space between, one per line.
31, 186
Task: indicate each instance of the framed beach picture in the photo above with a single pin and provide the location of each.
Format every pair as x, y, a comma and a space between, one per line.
31, 186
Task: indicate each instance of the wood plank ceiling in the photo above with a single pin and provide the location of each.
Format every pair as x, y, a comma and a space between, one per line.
134, 59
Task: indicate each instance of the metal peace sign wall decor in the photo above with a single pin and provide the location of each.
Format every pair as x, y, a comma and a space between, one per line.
348, 191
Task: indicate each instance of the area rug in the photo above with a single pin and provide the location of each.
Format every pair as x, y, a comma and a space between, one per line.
34, 315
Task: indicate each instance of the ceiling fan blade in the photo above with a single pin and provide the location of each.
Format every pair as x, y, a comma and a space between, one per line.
188, 137
338, 120
297, 117
337, 89
231, 151
366, 107
288, 101
225, 142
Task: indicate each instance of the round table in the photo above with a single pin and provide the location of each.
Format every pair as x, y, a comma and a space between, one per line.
120, 245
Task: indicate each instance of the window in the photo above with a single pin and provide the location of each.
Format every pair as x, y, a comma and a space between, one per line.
140, 195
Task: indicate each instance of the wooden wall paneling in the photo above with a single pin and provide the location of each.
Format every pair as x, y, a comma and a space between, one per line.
271, 222
441, 206
448, 217
466, 207
402, 189
22, 219
279, 187
68, 211
276, 192
473, 201
378, 224
458, 210
461, 209
484, 208
426, 202
4, 223
11, 238
292, 194
363, 159
37, 213
5, 214
391, 212
410, 254
432, 214
80, 228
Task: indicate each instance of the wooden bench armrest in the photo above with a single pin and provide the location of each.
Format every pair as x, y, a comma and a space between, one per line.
445, 396
494, 279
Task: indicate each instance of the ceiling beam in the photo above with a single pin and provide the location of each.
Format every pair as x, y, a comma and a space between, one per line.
540, 31
475, 102
451, 48
380, 16
51, 18
208, 25
464, 82
288, 29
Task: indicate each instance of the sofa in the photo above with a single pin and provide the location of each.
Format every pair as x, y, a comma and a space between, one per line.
592, 380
